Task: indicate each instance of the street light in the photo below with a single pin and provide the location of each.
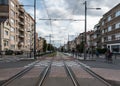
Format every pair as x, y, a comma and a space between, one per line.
85, 44
34, 29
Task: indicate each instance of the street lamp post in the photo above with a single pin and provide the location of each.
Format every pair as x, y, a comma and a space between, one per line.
68, 43
85, 30
85, 43
34, 29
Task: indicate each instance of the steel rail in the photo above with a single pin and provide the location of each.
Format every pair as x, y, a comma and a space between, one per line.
100, 78
44, 74
16, 76
71, 74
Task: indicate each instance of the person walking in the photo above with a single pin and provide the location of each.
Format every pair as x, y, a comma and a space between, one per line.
97, 53
108, 56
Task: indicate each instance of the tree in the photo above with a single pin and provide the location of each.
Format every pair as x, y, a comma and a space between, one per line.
44, 46
80, 47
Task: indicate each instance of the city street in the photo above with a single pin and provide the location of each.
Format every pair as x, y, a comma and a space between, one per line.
59, 43
58, 75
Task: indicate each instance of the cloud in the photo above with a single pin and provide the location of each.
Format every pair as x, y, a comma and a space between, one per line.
79, 6
67, 9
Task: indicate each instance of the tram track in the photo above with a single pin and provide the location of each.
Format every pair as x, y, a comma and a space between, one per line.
71, 74
44, 74
89, 71
100, 78
47, 73
18, 75
25, 71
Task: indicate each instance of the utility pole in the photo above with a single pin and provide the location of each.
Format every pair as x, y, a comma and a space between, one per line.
68, 42
1, 42
50, 43
85, 44
85, 30
34, 29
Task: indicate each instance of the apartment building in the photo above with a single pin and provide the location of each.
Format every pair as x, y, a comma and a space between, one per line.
96, 38
20, 24
4, 35
110, 27
41, 44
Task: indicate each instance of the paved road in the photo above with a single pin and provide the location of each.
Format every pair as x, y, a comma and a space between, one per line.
16, 64
58, 75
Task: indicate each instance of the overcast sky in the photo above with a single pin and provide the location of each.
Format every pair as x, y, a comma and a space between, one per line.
66, 9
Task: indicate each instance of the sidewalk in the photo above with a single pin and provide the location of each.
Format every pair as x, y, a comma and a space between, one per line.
81, 57
14, 58
101, 58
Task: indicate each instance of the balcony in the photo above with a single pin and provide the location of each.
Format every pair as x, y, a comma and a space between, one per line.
21, 35
21, 9
20, 44
21, 23
21, 29
21, 16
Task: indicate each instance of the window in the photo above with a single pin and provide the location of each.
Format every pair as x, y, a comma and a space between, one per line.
105, 30
109, 28
12, 13
12, 4
117, 36
105, 39
109, 18
113, 37
12, 38
5, 43
4, 2
95, 36
102, 31
117, 13
12, 29
102, 39
115, 48
103, 23
117, 25
12, 21
13, 46
109, 38
6, 33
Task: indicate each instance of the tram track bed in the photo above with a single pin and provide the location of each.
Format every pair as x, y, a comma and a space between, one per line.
60, 70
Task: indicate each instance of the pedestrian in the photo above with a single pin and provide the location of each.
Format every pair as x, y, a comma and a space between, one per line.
106, 55
109, 56
97, 53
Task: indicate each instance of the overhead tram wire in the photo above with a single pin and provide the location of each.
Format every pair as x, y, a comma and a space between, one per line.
56, 19
48, 16
50, 22
72, 16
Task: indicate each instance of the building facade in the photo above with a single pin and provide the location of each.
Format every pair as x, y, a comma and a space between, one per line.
21, 25
110, 27
41, 44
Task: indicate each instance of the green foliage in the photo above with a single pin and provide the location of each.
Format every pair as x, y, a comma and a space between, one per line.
101, 50
44, 46
50, 47
80, 47
18, 52
9, 52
